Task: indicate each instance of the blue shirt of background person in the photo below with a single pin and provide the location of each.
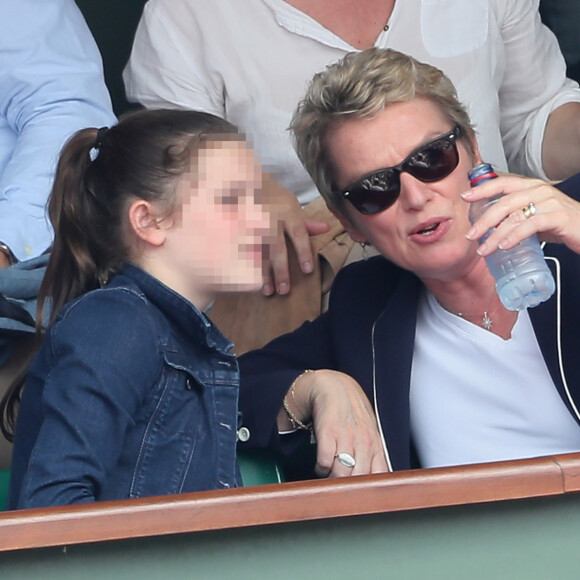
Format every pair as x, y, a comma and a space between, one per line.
52, 85
134, 391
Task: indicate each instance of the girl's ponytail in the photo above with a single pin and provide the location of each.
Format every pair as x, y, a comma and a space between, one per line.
75, 213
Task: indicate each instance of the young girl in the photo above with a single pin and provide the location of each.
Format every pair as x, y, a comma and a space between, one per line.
134, 391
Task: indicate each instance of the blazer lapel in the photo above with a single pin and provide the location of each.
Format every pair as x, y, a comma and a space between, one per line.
393, 339
544, 322
555, 325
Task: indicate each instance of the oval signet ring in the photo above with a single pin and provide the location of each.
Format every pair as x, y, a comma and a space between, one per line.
529, 210
346, 459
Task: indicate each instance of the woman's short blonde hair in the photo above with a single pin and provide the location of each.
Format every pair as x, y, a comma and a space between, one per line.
362, 84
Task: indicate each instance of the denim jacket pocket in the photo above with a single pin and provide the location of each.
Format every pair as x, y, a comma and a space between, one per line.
175, 429
450, 28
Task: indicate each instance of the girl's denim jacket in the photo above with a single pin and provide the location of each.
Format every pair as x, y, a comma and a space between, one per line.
134, 393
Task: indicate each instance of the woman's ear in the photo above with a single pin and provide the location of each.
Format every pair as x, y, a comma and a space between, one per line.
146, 223
350, 229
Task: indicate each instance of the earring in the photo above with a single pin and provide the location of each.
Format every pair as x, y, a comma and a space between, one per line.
364, 245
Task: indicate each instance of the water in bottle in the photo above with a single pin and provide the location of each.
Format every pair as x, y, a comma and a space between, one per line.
523, 279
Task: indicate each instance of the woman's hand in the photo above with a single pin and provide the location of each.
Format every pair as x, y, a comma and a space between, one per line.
343, 421
291, 225
556, 217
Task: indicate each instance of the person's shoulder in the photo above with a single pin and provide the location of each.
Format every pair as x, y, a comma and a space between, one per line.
176, 9
106, 311
122, 299
32, 20
109, 324
377, 269
367, 281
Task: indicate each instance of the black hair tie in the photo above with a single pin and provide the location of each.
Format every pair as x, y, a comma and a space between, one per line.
100, 136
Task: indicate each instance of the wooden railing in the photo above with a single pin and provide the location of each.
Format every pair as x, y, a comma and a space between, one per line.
290, 502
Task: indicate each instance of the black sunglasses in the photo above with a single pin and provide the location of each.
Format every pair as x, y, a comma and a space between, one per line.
379, 190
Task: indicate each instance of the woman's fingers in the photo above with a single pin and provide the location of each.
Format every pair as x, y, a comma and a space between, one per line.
528, 207
346, 429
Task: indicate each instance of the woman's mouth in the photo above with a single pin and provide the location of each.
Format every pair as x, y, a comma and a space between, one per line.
432, 231
428, 230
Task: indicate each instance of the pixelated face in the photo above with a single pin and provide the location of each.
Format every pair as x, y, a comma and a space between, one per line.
219, 232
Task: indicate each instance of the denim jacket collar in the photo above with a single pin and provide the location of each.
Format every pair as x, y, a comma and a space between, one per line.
180, 312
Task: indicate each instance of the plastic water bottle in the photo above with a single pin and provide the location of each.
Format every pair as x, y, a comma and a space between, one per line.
523, 279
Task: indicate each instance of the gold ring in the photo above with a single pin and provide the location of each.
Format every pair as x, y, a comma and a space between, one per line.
529, 210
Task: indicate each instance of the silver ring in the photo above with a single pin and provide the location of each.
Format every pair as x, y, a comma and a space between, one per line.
529, 210
346, 459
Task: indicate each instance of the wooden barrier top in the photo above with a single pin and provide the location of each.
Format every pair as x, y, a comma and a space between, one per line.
290, 502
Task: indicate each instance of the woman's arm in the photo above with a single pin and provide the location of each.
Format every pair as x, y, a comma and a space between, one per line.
561, 146
540, 130
342, 417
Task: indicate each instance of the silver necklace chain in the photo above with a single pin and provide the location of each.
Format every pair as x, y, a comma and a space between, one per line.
486, 321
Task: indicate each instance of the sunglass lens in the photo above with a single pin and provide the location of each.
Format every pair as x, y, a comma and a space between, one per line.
434, 161
369, 198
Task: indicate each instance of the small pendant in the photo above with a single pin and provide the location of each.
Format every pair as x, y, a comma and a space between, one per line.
486, 321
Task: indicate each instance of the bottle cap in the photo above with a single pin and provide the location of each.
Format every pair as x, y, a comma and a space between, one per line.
480, 173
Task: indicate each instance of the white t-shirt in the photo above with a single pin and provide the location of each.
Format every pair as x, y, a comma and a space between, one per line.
250, 61
477, 398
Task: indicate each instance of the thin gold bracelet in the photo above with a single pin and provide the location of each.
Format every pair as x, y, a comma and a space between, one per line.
296, 423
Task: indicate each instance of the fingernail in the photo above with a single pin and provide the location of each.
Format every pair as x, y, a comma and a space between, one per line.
267, 290
469, 235
307, 267
482, 249
467, 194
283, 288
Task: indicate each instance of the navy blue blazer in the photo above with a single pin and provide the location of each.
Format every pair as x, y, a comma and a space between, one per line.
368, 332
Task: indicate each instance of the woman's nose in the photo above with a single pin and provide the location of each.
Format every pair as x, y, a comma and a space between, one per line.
414, 193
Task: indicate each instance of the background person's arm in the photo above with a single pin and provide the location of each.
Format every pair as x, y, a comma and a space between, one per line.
534, 85
52, 85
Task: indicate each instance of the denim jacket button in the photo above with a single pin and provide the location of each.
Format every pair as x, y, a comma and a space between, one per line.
243, 434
